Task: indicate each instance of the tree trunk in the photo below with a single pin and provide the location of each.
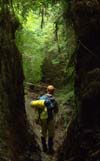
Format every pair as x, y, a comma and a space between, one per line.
82, 142
17, 141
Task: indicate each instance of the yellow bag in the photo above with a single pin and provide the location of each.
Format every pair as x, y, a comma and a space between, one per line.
38, 103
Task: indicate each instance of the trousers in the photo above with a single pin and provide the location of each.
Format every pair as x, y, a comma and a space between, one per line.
47, 128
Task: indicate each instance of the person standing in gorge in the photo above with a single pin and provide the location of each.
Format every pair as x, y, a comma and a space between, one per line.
47, 118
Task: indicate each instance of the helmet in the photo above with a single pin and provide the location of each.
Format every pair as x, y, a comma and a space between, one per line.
50, 88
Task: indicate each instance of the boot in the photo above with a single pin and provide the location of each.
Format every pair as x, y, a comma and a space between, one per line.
44, 146
50, 145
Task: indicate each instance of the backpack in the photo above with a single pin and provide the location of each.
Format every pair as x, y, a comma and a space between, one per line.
49, 101
49, 105
44, 107
40, 110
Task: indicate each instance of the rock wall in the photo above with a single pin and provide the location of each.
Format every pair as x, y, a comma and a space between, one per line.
82, 140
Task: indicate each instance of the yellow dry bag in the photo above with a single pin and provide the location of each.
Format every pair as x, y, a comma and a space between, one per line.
38, 103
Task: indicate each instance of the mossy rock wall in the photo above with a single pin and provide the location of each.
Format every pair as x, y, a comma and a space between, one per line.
82, 140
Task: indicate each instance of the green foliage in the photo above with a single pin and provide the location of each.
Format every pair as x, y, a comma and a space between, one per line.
43, 38
31, 40
31, 47
65, 95
70, 72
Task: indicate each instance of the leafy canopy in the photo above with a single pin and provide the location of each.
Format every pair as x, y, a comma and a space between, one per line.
44, 32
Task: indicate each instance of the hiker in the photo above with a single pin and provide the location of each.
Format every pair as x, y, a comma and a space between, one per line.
47, 119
